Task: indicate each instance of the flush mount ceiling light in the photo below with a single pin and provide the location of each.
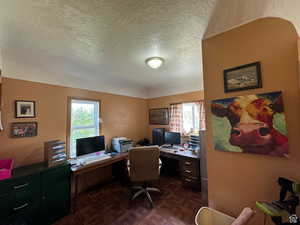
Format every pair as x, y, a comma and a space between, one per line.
154, 62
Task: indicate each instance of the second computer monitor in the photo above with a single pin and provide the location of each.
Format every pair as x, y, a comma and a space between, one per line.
172, 138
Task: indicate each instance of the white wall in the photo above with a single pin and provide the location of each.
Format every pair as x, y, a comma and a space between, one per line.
232, 13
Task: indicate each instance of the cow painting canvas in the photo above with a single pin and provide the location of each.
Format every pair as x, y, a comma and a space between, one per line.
250, 124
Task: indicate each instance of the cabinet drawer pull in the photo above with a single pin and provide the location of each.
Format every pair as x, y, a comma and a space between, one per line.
187, 171
21, 207
21, 186
187, 163
188, 180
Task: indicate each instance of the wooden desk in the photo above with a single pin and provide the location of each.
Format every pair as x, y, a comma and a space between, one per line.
189, 168
187, 165
77, 172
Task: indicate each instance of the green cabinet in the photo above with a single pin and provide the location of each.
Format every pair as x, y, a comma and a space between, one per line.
6, 203
36, 194
55, 186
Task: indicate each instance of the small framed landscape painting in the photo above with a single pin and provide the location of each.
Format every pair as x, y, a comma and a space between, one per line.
159, 116
25, 109
24, 129
243, 77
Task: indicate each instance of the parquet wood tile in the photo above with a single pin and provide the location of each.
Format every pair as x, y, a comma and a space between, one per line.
111, 205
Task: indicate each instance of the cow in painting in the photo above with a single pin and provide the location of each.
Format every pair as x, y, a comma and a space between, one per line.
251, 118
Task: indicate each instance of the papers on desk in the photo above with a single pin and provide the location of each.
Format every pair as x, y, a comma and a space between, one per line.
86, 161
186, 153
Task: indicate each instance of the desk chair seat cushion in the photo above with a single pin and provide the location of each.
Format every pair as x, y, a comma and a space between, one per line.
144, 163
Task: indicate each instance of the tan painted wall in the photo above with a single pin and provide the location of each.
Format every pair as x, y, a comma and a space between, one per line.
123, 116
164, 102
237, 180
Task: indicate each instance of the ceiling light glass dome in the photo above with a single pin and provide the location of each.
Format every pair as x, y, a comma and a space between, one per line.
154, 62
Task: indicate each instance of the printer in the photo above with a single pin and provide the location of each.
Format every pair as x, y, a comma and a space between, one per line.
121, 144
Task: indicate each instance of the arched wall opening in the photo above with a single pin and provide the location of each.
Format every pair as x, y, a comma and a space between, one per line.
237, 180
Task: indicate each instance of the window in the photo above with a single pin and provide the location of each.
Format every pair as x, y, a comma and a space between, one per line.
187, 118
84, 121
190, 118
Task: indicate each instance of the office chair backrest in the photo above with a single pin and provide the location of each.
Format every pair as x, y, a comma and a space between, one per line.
144, 163
209, 216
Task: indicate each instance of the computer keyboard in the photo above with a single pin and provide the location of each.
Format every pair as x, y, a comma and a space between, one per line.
94, 160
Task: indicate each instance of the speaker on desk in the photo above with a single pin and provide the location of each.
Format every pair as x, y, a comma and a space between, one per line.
158, 136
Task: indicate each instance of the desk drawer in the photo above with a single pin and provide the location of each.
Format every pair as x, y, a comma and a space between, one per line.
189, 172
28, 211
189, 168
21, 196
189, 163
191, 182
20, 184
25, 189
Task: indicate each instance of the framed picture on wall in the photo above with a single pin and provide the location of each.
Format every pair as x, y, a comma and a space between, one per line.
159, 116
24, 129
263, 132
25, 109
243, 77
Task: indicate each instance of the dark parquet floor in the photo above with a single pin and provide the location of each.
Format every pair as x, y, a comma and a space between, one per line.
110, 205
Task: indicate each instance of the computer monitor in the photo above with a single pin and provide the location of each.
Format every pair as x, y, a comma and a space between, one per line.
172, 138
158, 136
89, 145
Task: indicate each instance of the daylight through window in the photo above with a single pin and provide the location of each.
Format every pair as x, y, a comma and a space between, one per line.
191, 118
84, 121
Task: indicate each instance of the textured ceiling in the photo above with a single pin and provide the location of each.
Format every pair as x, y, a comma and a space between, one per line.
231, 13
102, 44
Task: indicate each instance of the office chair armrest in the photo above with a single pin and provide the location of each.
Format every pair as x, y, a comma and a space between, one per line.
244, 217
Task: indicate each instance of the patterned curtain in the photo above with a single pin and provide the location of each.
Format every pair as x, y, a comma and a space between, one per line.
201, 110
176, 118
